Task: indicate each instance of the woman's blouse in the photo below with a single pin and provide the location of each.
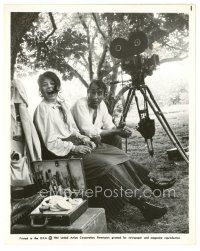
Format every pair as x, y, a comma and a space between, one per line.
55, 123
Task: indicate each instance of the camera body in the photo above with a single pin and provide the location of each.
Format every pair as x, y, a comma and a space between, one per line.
139, 64
129, 52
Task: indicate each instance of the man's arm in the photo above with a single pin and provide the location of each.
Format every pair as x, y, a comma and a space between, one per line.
123, 132
109, 128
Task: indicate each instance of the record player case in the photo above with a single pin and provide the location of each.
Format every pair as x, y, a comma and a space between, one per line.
56, 176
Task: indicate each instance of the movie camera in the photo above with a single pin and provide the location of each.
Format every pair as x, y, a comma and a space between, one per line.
129, 52
138, 67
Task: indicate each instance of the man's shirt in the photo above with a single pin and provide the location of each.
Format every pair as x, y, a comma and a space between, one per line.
83, 116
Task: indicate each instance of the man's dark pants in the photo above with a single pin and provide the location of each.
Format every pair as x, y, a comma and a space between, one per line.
114, 140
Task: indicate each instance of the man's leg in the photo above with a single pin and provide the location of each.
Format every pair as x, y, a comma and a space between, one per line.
118, 186
143, 173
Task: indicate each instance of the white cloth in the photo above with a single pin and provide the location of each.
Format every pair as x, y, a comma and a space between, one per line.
83, 116
31, 136
19, 97
18, 92
53, 124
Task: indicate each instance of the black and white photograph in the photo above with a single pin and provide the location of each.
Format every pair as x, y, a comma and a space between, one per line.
100, 120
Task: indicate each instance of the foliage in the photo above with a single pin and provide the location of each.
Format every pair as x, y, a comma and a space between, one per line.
78, 47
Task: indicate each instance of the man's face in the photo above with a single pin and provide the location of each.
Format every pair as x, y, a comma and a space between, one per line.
95, 96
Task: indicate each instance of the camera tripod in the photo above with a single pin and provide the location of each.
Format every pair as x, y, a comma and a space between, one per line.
139, 84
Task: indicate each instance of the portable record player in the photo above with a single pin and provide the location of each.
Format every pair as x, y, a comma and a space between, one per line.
62, 181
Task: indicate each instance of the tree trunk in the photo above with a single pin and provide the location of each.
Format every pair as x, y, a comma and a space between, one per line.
110, 102
20, 24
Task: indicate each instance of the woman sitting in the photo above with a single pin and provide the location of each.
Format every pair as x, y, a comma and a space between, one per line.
105, 166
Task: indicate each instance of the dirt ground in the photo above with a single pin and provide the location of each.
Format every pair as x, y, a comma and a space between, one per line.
130, 220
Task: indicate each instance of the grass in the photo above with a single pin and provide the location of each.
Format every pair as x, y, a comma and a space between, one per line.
130, 220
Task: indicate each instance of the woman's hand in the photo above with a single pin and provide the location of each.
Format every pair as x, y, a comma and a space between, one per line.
86, 141
82, 149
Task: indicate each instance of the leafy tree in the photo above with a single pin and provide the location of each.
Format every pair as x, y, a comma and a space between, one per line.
20, 24
77, 44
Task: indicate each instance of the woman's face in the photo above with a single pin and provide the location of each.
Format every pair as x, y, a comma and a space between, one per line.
47, 89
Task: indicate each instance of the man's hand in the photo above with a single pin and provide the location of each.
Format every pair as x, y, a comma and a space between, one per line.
96, 140
82, 149
121, 125
123, 131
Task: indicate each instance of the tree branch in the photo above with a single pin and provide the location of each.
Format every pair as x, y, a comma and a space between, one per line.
167, 60
101, 61
116, 64
83, 62
113, 101
84, 59
98, 27
95, 35
114, 78
91, 73
43, 44
121, 92
110, 29
54, 27
173, 47
77, 74
105, 49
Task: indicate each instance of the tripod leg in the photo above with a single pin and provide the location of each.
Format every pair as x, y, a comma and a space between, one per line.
151, 101
150, 147
164, 119
129, 99
126, 145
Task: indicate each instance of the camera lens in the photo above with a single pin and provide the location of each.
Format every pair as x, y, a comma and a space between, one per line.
118, 48
137, 42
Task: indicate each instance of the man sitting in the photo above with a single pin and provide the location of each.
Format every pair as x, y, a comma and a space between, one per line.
92, 117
